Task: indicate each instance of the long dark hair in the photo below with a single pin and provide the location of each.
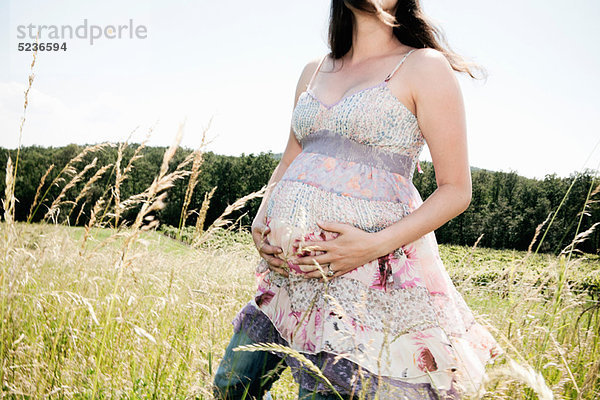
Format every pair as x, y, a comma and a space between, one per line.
409, 24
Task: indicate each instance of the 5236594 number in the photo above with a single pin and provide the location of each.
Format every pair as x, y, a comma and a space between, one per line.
42, 46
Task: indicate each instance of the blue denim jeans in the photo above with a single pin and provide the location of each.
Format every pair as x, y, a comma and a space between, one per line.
250, 374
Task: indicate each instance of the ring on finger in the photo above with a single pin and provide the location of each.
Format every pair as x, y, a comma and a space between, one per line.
330, 272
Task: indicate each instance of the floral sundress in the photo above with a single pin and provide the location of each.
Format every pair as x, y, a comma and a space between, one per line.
399, 319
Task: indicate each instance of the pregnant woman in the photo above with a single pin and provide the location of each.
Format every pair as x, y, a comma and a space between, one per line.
350, 275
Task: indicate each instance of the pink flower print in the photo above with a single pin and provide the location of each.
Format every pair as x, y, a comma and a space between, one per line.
353, 183
356, 325
423, 357
410, 251
263, 284
318, 317
309, 346
302, 175
278, 318
420, 336
293, 320
431, 270
264, 298
312, 236
367, 193
425, 360
297, 315
494, 352
329, 163
406, 275
328, 235
303, 339
295, 268
384, 272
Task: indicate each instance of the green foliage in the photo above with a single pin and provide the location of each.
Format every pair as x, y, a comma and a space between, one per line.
506, 209
164, 322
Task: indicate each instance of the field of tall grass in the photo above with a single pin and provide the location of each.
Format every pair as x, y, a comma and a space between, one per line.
78, 323
117, 309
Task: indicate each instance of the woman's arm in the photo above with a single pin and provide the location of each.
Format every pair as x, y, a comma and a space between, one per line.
293, 148
441, 115
259, 228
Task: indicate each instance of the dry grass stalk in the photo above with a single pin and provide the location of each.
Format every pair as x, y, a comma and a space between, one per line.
221, 221
39, 188
469, 258
25, 103
561, 353
537, 232
477, 242
136, 154
87, 150
80, 212
116, 190
8, 203
56, 203
119, 177
273, 347
199, 226
596, 190
579, 238
68, 169
193, 181
97, 175
154, 195
9, 190
521, 373
590, 384
86, 234
153, 200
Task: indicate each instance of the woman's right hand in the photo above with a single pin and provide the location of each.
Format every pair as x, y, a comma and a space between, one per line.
265, 249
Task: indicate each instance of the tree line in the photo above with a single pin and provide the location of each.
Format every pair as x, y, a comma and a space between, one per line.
504, 213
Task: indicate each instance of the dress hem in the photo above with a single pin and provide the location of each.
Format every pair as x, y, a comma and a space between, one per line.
410, 380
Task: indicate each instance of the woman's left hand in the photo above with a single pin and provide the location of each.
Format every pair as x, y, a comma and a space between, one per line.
352, 248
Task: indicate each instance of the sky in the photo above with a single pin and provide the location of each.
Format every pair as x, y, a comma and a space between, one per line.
232, 68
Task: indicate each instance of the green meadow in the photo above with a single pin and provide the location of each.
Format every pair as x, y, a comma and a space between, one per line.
83, 316
120, 306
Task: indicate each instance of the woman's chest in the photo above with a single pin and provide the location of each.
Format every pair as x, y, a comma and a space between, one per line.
371, 117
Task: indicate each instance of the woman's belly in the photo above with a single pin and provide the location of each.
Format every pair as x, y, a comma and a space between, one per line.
320, 187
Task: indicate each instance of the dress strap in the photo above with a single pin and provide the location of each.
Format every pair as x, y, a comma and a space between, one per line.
398, 66
316, 70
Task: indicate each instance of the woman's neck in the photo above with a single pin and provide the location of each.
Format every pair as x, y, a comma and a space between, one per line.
371, 38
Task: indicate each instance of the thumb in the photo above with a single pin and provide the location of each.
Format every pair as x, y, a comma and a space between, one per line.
332, 226
265, 231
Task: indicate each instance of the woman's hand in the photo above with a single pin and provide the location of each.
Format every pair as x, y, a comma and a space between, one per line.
351, 248
259, 235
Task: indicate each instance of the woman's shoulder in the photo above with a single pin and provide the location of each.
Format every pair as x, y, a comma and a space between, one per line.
427, 57
308, 70
312, 64
427, 60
